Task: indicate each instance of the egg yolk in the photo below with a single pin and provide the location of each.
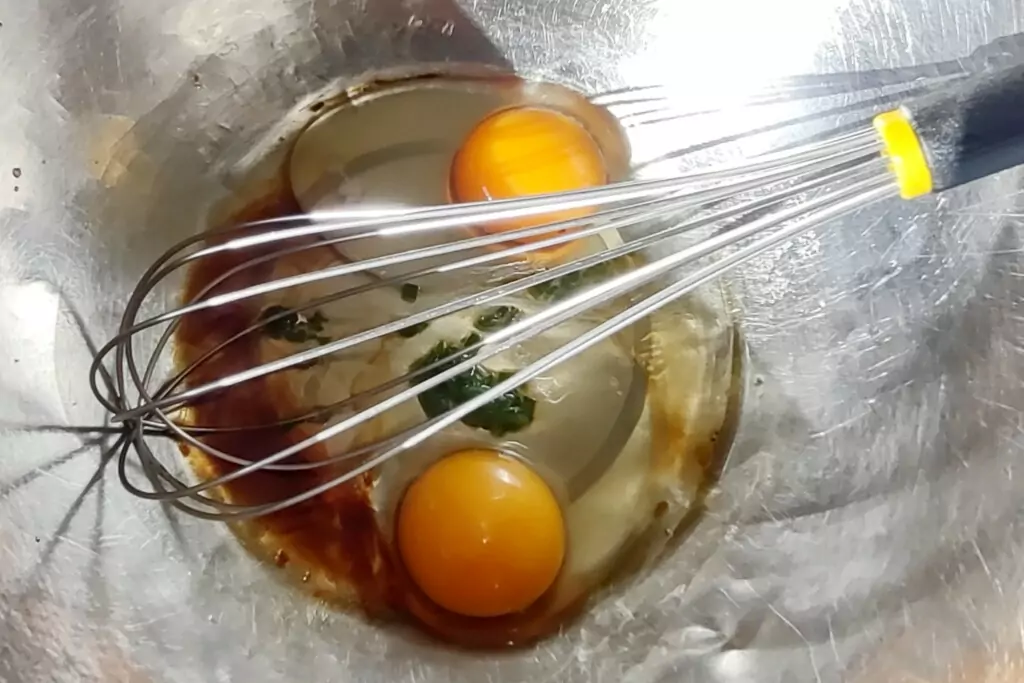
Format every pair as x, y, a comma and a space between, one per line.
526, 151
481, 534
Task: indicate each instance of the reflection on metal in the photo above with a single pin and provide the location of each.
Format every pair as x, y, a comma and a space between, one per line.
866, 527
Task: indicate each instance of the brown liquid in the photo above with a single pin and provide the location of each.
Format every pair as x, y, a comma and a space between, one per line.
336, 530
331, 543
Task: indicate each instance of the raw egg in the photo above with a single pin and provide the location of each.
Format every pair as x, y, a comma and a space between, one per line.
524, 151
481, 534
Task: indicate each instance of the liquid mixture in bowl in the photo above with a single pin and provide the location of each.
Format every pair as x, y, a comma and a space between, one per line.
496, 530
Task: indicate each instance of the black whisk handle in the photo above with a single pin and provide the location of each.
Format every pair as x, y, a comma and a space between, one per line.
957, 134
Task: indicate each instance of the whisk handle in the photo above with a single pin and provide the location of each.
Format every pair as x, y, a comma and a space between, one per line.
963, 132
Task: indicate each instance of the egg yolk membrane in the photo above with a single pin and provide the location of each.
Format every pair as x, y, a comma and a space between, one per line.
526, 151
481, 534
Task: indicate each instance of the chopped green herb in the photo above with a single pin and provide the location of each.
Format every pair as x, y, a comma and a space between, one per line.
294, 327
496, 317
510, 413
561, 287
412, 330
441, 350
469, 340
410, 292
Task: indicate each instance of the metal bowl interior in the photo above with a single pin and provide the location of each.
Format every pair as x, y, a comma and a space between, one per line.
865, 525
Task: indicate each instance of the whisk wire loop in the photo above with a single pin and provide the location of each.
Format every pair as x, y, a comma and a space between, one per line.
739, 210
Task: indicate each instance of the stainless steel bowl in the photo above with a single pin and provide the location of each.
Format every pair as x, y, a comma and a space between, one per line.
867, 524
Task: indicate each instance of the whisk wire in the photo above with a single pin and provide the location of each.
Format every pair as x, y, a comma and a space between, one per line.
311, 355
765, 169
731, 200
829, 206
852, 198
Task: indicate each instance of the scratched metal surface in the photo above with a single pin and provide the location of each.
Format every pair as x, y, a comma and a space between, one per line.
867, 526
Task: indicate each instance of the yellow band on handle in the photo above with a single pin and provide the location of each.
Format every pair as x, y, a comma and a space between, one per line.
906, 156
